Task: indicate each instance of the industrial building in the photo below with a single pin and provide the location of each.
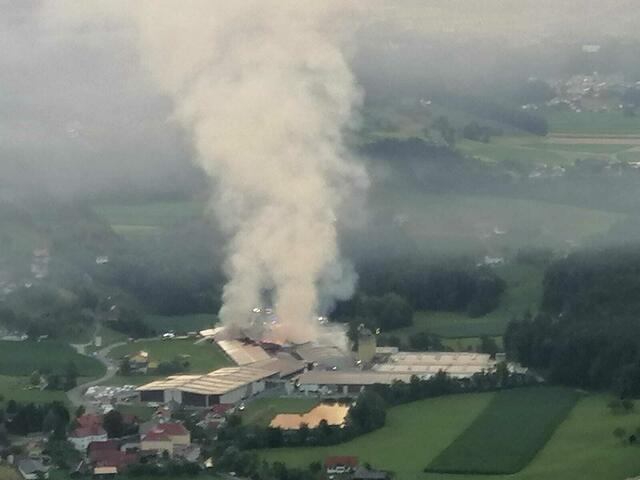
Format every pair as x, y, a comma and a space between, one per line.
222, 386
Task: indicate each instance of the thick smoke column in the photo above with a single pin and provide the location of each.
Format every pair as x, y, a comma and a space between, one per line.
266, 93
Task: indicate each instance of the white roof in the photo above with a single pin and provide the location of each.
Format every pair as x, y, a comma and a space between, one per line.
243, 353
218, 382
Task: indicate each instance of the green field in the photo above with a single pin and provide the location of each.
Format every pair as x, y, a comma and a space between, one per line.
508, 433
262, 411
19, 389
8, 473
203, 357
181, 323
581, 448
414, 434
524, 292
23, 358
606, 123
451, 223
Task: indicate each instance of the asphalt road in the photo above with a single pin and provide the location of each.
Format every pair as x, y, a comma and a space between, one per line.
76, 395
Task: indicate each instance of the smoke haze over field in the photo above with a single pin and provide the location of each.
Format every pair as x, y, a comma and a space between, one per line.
265, 93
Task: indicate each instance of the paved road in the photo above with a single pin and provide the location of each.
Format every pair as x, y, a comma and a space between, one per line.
76, 395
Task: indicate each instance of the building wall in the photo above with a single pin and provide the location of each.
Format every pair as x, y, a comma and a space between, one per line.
181, 439
173, 396
83, 443
158, 446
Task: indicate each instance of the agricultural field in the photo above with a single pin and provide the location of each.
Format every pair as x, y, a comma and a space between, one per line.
263, 410
581, 448
20, 390
414, 434
23, 358
508, 433
203, 357
8, 473
523, 293
181, 323
590, 123
458, 224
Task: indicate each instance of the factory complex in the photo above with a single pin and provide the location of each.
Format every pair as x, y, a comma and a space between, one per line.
307, 369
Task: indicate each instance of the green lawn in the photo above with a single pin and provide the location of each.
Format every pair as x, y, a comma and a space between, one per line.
508, 433
143, 412
468, 343
262, 411
181, 323
606, 123
22, 358
582, 448
498, 152
524, 292
452, 223
203, 357
9, 473
18, 389
413, 435
594, 148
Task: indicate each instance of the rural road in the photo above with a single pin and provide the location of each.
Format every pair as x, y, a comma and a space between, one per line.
76, 395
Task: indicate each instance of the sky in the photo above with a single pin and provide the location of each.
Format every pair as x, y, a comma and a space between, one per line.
80, 113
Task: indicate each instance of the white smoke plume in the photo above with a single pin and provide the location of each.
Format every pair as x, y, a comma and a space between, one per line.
264, 89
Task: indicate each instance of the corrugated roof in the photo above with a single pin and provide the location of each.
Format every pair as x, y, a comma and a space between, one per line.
356, 377
243, 353
218, 382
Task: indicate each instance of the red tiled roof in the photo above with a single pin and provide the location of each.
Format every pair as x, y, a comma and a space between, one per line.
92, 431
89, 420
154, 436
108, 458
346, 461
112, 445
171, 429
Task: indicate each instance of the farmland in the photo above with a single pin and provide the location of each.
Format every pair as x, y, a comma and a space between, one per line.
19, 389
413, 435
22, 358
581, 448
202, 358
262, 411
508, 433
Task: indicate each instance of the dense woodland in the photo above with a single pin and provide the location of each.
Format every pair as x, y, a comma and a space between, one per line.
587, 333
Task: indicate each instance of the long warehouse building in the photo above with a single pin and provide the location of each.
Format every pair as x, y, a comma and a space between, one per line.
225, 385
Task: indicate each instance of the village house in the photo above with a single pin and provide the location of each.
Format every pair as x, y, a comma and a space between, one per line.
169, 437
33, 469
82, 437
340, 464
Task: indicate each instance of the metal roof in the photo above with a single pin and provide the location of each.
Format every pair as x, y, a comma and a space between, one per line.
218, 382
243, 353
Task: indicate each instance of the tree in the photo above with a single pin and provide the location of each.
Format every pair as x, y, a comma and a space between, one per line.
80, 411
125, 367
34, 379
446, 130
488, 345
113, 424
620, 433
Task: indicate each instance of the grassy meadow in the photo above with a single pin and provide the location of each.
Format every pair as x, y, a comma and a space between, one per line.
582, 447
203, 357
508, 433
414, 434
23, 358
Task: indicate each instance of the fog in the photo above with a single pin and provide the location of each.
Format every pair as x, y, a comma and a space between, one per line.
81, 114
